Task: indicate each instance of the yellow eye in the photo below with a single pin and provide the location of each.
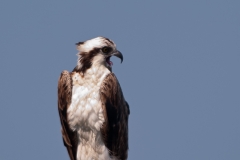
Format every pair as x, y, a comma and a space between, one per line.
106, 49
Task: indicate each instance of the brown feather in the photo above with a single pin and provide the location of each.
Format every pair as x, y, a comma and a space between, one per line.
85, 58
116, 112
64, 100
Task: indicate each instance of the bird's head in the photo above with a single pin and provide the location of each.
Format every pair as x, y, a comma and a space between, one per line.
96, 51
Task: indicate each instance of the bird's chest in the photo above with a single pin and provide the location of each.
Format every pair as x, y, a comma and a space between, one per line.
85, 115
85, 112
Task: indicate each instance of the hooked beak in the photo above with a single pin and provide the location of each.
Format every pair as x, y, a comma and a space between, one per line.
119, 55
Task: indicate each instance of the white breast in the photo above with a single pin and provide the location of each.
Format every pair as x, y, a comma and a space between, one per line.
85, 114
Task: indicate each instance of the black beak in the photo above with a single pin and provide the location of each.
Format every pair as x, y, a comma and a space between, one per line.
119, 55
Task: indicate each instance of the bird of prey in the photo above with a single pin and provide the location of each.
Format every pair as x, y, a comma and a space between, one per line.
91, 105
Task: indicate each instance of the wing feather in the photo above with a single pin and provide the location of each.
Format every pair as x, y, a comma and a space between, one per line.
64, 100
116, 112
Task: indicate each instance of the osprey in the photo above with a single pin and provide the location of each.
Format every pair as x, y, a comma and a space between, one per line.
91, 105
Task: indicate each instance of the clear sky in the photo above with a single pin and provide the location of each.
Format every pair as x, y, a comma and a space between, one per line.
180, 74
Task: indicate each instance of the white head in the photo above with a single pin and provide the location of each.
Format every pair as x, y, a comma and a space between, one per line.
96, 51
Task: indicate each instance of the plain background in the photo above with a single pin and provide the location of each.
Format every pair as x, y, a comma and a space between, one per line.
180, 74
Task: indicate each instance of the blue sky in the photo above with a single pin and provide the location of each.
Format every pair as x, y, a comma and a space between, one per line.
180, 74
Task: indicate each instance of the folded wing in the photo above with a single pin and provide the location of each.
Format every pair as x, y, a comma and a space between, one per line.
116, 112
64, 100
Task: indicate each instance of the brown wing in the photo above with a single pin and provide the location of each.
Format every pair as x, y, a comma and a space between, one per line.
64, 100
116, 111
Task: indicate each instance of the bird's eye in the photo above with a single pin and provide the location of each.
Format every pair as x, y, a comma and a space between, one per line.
106, 49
